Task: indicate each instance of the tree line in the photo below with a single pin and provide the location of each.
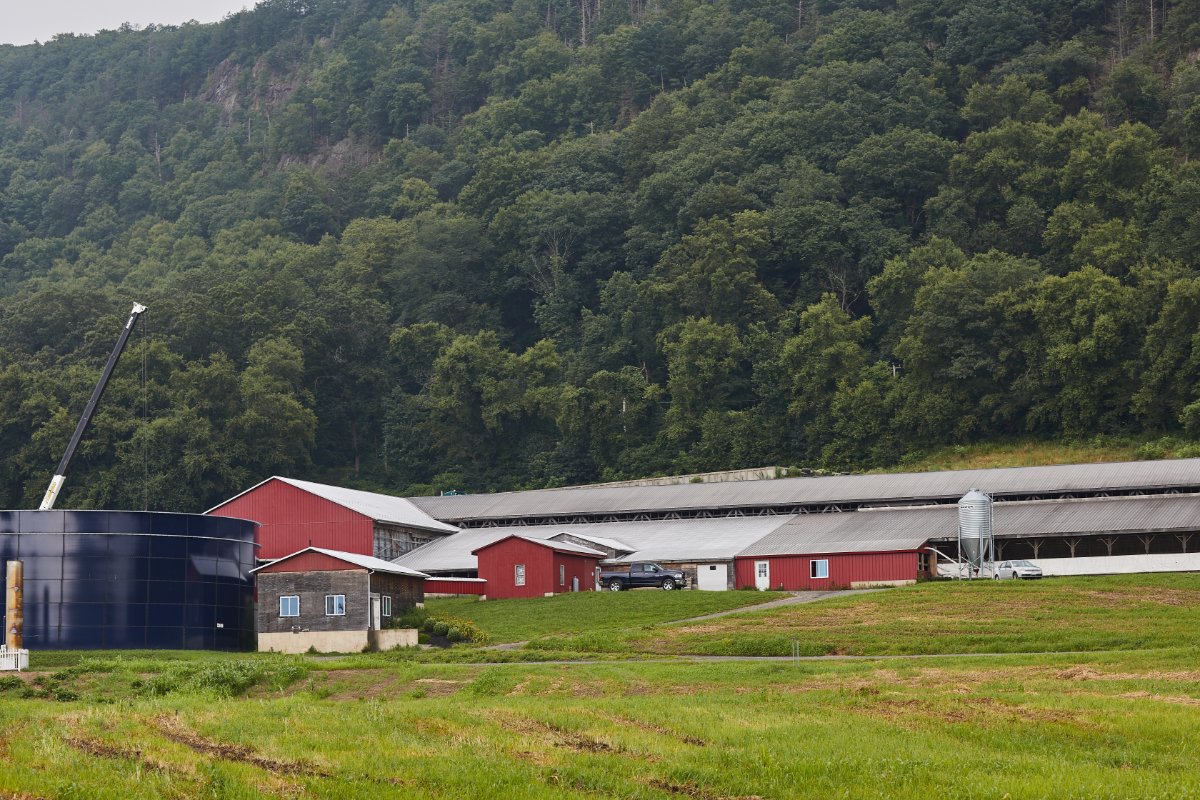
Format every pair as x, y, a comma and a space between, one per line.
491, 244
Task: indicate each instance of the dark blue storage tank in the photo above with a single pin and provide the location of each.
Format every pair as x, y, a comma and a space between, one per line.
133, 579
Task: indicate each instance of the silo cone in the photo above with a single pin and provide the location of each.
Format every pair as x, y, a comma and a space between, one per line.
975, 527
14, 608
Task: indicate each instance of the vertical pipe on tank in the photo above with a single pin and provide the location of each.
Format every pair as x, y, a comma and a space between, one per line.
14, 608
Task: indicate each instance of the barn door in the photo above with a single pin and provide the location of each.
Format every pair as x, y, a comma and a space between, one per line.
762, 575
376, 614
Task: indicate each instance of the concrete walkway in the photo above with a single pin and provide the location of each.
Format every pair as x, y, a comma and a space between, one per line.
794, 598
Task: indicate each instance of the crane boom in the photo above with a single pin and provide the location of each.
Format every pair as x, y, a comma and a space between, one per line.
60, 474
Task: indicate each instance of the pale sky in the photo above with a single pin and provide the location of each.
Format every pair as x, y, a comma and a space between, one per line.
22, 21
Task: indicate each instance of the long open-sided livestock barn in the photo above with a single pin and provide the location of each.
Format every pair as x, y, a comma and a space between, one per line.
843, 530
794, 533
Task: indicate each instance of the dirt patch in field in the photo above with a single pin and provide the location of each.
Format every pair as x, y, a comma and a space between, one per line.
175, 731
19, 796
114, 752
1083, 673
661, 730
438, 687
1143, 594
559, 736
693, 789
1181, 700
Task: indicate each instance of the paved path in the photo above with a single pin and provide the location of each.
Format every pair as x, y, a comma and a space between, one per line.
793, 598
685, 659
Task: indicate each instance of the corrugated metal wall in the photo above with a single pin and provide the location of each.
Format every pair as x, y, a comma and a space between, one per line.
454, 586
291, 519
793, 572
581, 567
497, 566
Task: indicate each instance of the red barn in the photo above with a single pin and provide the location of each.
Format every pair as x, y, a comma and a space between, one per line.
518, 566
835, 551
293, 515
830, 570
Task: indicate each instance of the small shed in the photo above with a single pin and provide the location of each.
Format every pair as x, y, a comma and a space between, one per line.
334, 602
292, 514
520, 566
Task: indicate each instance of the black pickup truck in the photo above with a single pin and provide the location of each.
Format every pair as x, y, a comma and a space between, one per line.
643, 573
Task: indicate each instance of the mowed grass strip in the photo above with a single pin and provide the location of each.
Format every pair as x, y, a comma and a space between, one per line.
589, 612
1103, 726
984, 616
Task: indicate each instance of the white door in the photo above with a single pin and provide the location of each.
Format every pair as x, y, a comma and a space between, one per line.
712, 577
762, 575
376, 615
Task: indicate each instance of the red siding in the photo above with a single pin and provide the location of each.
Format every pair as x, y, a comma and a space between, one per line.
454, 586
575, 566
291, 519
309, 562
497, 563
793, 572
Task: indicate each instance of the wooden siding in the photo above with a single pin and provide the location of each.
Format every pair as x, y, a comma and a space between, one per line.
497, 563
792, 572
291, 519
309, 562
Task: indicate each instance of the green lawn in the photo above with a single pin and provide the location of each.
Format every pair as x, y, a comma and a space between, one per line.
1104, 726
1054, 614
521, 620
1119, 722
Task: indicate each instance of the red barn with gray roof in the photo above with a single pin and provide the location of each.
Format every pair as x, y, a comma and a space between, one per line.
293, 514
519, 566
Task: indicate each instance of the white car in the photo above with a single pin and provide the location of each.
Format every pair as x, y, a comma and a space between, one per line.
1018, 569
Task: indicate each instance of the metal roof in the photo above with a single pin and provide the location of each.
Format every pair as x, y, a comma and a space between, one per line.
358, 559
900, 488
611, 544
884, 529
379, 507
663, 540
562, 547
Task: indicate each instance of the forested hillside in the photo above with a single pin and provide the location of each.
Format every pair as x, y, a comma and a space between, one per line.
482, 244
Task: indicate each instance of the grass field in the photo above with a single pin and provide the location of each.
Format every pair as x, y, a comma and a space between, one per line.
602, 612
1054, 614
1036, 453
1119, 722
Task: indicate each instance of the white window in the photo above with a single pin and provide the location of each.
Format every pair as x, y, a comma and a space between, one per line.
562, 574
385, 605
761, 566
335, 605
818, 568
519, 574
289, 605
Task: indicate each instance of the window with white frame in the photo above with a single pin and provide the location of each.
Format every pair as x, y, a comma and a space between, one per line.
335, 605
761, 569
562, 574
519, 574
289, 605
385, 605
818, 568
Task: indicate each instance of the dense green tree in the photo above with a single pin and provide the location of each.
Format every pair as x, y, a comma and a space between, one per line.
489, 245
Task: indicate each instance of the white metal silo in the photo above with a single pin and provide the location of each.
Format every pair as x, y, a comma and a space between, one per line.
975, 543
